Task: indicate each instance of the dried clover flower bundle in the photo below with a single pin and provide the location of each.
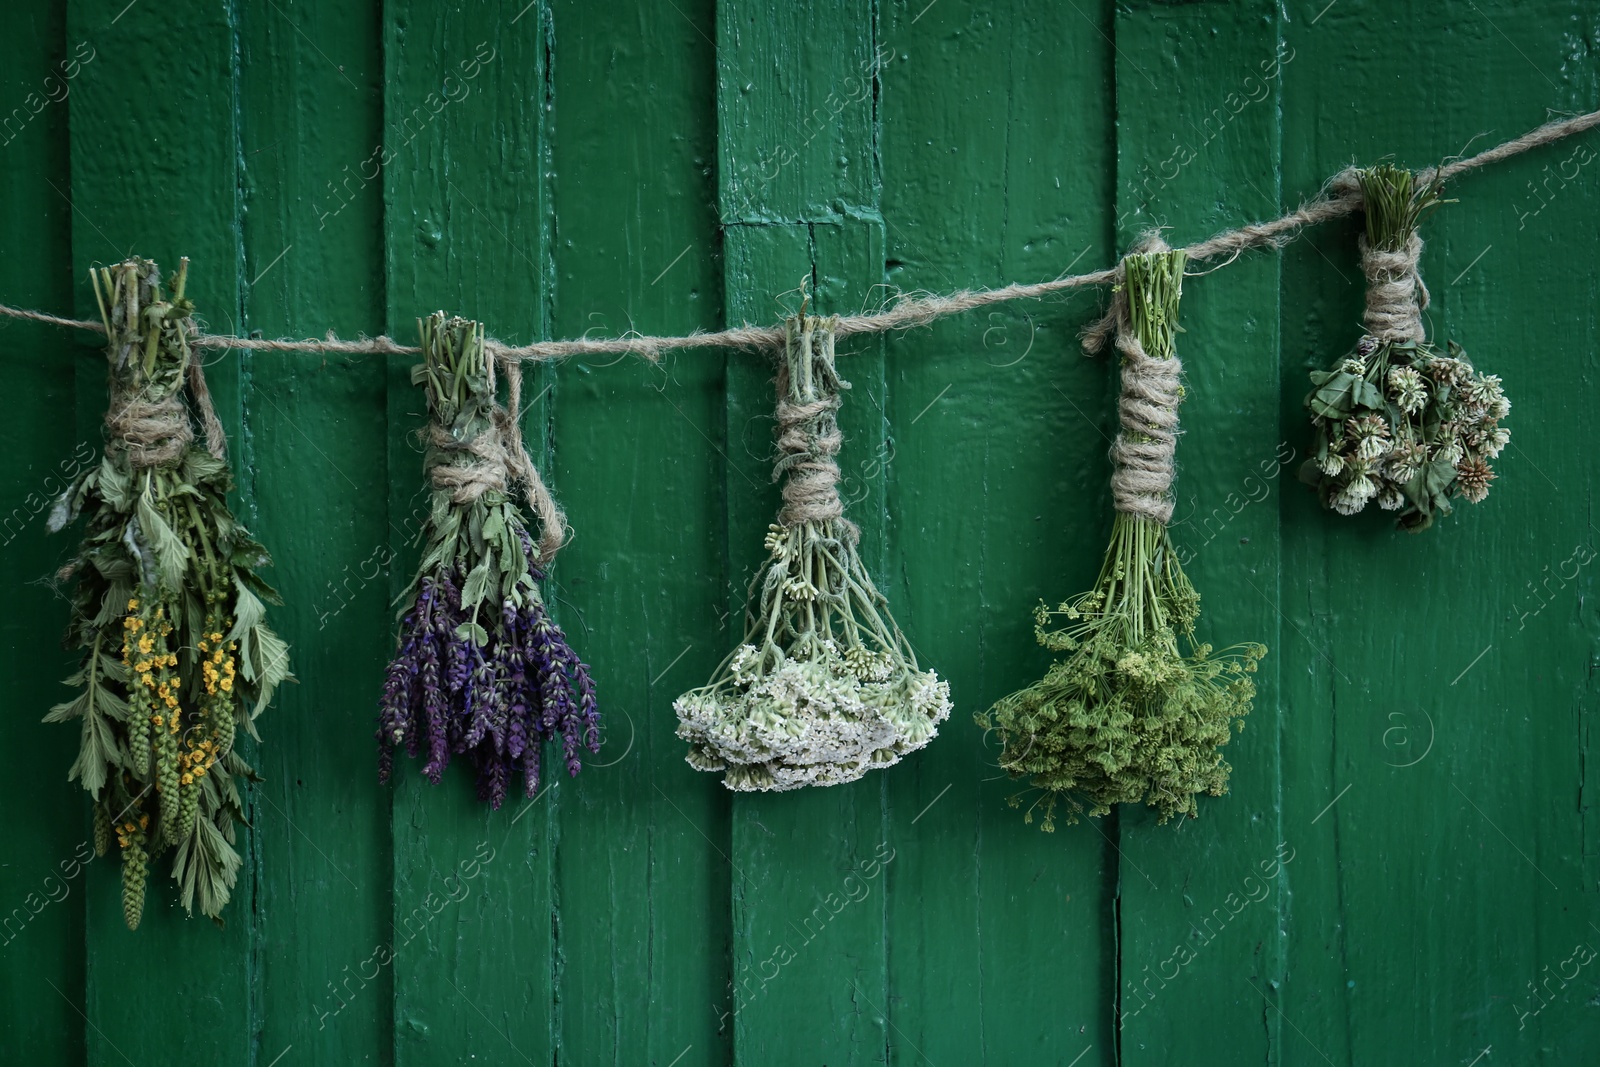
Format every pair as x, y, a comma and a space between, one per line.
168, 609
482, 672
1397, 422
824, 686
1128, 715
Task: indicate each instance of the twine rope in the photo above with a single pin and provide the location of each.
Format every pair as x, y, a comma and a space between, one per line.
1142, 456
1396, 295
808, 428
497, 459
155, 432
1340, 196
150, 433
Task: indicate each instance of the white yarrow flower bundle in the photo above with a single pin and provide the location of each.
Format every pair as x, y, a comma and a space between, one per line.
824, 687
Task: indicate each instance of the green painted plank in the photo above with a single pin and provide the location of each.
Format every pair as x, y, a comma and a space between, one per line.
642, 871
1453, 872
310, 106
1200, 948
41, 876
466, 229
1001, 937
154, 172
798, 193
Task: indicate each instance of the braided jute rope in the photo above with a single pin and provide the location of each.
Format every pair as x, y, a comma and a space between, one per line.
1142, 456
496, 459
808, 427
1339, 197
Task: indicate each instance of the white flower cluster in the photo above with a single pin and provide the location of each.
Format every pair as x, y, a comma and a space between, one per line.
819, 720
1449, 413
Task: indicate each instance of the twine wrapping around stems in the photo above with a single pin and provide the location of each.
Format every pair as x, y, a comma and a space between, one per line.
1339, 197
149, 433
1396, 295
155, 432
1142, 456
808, 427
553, 529
496, 459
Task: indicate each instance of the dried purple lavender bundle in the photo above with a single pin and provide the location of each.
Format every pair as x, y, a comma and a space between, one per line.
481, 672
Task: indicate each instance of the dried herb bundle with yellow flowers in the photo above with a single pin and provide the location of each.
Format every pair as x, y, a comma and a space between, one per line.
168, 608
824, 687
1136, 710
1397, 422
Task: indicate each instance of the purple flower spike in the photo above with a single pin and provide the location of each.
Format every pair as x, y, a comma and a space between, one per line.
494, 703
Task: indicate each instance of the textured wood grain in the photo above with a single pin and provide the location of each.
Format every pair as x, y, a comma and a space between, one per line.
1453, 873
642, 869
466, 229
1198, 913
311, 110
1002, 938
42, 879
1422, 741
799, 198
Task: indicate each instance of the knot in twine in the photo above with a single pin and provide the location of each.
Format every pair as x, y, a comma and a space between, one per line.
1396, 295
155, 432
496, 459
808, 428
1147, 412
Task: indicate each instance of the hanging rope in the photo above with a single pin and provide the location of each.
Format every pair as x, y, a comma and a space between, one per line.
1339, 197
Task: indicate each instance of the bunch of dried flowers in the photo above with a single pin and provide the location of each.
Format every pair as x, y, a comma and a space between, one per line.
1397, 422
482, 671
1136, 710
824, 687
168, 608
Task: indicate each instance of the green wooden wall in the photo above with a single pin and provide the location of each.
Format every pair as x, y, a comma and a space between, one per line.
1405, 871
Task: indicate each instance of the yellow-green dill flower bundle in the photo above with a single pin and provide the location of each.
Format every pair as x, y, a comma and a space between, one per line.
824, 686
1136, 711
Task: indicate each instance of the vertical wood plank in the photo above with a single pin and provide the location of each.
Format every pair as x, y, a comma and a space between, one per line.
1198, 151
1448, 888
1002, 938
466, 229
311, 112
155, 173
799, 199
42, 880
642, 871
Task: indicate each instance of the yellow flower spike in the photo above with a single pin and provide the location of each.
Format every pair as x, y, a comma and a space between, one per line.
217, 658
